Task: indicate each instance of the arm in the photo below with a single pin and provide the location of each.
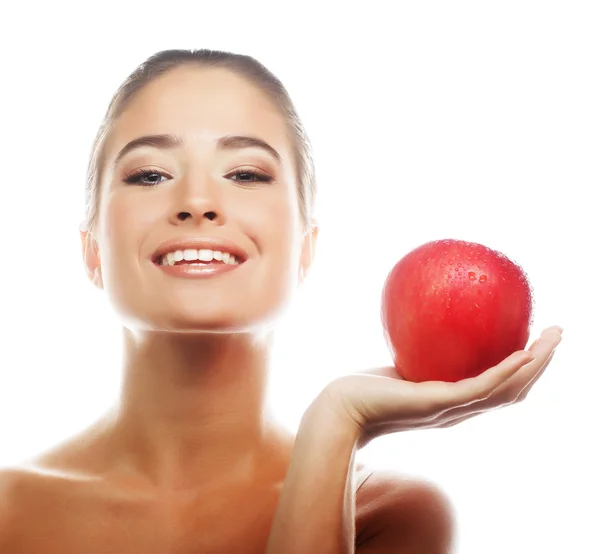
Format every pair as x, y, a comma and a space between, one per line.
316, 509
10, 486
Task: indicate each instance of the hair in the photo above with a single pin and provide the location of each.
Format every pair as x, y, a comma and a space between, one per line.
245, 66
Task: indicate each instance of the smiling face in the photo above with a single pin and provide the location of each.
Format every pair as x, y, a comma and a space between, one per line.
217, 173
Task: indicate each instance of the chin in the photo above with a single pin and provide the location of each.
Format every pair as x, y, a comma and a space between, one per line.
187, 321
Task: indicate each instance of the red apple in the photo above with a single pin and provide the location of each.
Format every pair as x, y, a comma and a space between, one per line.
452, 309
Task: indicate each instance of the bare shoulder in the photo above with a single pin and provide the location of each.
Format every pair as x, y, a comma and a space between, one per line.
401, 514
29, 510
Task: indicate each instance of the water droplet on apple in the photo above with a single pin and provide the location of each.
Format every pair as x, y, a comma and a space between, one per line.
450, 262
483, 279
458, 265
472, 275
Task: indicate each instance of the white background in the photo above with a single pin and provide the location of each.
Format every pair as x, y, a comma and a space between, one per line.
467, 120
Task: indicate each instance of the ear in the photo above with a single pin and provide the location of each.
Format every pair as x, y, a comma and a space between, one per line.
91, 258
308, 250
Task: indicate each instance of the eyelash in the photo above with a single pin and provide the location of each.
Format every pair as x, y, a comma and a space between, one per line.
135, 176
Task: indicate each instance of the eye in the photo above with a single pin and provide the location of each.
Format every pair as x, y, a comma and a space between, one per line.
137, 177
250, 176
150, 177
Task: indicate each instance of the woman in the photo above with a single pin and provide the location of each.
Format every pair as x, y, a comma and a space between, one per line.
199, 229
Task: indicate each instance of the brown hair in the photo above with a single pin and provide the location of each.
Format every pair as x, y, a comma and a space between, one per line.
245, 66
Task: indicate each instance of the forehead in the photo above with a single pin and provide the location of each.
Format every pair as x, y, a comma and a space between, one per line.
202, 105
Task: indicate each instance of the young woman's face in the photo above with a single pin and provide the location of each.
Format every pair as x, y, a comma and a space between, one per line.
234, 197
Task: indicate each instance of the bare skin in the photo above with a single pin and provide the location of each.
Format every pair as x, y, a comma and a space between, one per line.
76, 499
190, 458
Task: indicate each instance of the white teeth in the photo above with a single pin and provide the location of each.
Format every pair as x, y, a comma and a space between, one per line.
203, 255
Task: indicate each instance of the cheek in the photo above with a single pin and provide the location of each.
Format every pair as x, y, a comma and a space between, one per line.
272, 221
125, 221
128, 215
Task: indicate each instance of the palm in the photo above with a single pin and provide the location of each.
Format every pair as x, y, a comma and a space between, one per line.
380, 402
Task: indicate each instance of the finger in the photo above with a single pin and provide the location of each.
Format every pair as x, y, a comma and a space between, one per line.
430, 399
451, 422
523, 394
541, 351
433, 399
453, 418
492, 402
517, 386
476, 389
545, 333
385, 371
390, 371
553, 328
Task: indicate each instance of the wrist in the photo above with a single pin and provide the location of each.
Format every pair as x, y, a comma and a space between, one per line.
327, 416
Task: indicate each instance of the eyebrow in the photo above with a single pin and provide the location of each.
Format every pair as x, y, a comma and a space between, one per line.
168, 141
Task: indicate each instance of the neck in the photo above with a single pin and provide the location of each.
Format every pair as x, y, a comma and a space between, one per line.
193, 406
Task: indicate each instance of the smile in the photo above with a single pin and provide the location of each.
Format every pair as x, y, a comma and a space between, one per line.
195, 257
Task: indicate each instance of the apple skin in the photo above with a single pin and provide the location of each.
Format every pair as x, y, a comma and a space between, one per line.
452, 309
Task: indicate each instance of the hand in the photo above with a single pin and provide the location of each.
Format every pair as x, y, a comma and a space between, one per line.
379, 402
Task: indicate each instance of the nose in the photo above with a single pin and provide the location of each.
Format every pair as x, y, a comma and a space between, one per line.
210, 215
198, 200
